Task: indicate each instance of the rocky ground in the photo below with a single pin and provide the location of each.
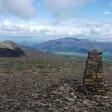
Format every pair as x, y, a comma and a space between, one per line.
44, 85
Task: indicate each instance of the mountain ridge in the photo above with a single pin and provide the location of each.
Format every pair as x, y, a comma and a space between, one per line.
11, 49
71, 44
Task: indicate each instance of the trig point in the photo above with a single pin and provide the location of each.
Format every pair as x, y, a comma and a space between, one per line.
93, 75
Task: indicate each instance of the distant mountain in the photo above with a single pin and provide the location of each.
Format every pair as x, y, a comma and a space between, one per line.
11, 49
70, 44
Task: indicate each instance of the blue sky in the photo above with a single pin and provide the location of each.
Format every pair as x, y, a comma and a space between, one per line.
96, 10
56, 18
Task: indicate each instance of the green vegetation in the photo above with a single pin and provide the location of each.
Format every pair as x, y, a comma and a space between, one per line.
42, 64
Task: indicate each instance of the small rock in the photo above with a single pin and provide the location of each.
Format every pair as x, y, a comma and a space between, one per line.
71, 99
56, 93
66, 108
65, 84
108, 105
85, 111
105, 97
75, 97
87, 102
74, 107
69, 103
62, 88
72, 94
35, 95
97, 98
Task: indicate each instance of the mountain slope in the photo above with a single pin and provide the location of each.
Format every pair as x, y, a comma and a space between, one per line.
11, 49
74, 45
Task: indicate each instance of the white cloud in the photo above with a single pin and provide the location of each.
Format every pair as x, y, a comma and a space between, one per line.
60, 4
21, 8
6, 22
72, 27
25, 8
107, 12
59, 7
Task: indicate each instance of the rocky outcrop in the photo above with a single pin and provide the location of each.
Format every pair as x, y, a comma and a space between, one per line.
10, 49
17, 52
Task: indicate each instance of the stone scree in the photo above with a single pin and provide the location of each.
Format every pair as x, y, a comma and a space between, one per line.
93, 75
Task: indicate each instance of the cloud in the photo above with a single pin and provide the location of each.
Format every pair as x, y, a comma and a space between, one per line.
62, 8
60, 4
72, 27
107, 12
20, 8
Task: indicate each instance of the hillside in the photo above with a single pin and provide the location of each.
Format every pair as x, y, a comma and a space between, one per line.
11, 49
70, 44
49, 85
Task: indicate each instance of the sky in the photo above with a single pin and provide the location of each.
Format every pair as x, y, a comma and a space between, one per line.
50, 19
